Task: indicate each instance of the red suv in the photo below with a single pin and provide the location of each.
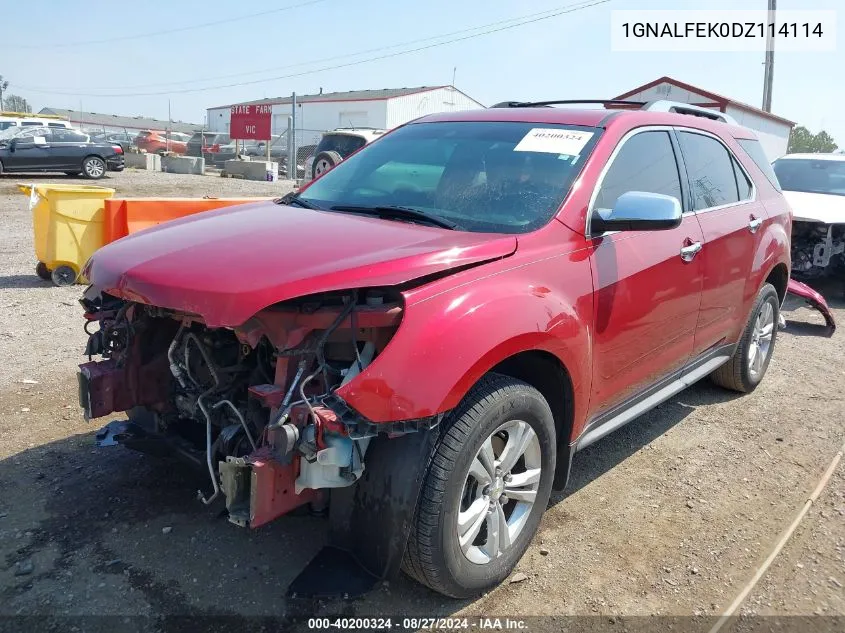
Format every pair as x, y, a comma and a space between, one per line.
421, 338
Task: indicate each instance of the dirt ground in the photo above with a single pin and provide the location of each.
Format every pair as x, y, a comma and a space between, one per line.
669, 516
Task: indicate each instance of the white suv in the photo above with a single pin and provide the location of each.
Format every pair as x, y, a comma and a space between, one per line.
337, 145
13, 121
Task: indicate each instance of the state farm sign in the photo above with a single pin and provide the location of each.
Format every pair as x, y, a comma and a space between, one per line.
253, 122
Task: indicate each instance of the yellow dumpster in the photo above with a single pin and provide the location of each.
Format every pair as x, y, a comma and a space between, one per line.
68, 226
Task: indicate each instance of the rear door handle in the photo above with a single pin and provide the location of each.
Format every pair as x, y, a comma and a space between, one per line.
689, 251
754, 224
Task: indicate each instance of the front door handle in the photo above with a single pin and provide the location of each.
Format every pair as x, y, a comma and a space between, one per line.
689, 251
754, 224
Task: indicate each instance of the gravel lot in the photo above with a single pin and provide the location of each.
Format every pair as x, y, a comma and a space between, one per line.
671, 515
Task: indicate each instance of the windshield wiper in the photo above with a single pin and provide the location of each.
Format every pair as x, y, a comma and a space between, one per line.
294, 199
398, 213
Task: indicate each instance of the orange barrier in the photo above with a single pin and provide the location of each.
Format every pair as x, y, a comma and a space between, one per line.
130, 215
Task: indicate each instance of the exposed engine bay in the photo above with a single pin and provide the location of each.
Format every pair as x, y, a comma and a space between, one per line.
253, 405
818, 250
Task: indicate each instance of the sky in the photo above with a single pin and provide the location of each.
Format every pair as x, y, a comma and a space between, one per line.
64, 62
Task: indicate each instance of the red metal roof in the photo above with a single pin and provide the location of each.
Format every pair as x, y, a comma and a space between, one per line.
718, 99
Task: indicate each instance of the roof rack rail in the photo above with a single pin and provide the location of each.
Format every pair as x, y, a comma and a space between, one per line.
545, 104
662, 105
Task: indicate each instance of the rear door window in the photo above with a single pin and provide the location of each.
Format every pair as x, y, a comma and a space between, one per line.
645, 163
343, 144
68, 136
710, 169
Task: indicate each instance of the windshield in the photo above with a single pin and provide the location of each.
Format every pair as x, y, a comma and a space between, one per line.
811, 175
6, 124
16, 131
499, 177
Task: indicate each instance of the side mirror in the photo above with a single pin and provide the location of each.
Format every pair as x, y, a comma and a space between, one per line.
638, 211
12, 144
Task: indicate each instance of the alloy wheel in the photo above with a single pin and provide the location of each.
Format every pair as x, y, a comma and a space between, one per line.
94, 168
499, 492
761, 339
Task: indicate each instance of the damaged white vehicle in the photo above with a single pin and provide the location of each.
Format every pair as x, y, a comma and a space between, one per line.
814, 186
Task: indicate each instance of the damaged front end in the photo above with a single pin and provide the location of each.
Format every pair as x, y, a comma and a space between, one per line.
253, 405
818, 250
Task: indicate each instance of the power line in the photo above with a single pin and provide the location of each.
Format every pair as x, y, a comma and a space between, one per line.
307, 63
556, 13
181, 29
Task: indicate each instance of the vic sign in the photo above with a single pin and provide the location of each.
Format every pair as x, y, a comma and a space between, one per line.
251, 122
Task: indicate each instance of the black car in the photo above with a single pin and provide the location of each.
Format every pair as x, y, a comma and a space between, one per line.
57, 149
124, 139
211, 146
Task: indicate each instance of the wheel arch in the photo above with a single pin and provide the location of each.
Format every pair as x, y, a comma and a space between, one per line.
547, 374
92, 155
779, 277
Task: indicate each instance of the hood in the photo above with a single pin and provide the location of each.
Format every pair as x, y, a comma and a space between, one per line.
228, 264
816, 207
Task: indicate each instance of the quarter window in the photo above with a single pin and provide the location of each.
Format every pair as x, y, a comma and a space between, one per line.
645, 163
711, 171
755, 151
742, 182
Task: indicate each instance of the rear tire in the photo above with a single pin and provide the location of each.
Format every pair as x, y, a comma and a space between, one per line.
746, 368
42, 271
323, 162
467, 485
94, 167
63, 276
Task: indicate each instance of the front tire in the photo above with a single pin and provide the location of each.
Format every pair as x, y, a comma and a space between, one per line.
94, 167
485, 491
746, 368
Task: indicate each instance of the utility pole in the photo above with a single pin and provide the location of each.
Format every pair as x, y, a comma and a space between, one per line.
169, 125
292, 162
769, 74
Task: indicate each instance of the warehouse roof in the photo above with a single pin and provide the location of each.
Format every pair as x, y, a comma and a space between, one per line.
718, 101
350, 95
95, 119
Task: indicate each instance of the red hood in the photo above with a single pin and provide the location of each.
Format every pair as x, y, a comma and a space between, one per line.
226, 265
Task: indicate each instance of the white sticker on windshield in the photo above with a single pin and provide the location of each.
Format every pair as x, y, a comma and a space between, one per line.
553, 141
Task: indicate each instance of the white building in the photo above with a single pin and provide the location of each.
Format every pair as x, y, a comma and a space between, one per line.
772, 130
358, 108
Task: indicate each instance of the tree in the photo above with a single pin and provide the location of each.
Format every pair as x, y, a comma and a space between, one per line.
3, 85
801, 140
17, 104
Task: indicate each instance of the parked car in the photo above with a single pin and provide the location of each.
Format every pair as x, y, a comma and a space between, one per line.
278, 148
814, 186
156, 142
124, 139
337, 145
424, 336
32, 149
207, 143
